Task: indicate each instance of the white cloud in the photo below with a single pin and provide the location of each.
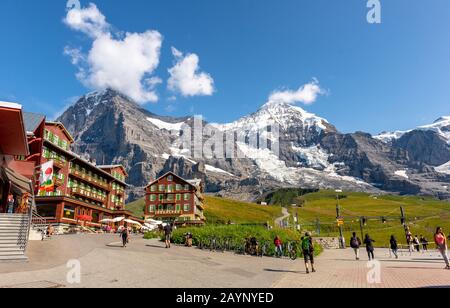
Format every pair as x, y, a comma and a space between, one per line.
89, 20
124, 64
306, 94
185, 77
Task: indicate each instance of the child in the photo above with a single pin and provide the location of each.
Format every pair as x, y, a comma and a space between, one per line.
278, 247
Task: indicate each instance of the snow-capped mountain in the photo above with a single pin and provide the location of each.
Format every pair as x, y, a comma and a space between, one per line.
441, 126
111, 128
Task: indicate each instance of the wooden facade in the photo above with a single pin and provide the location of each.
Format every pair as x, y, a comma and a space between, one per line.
174, 199
83, 193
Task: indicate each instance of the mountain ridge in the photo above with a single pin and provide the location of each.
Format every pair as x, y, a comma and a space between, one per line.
111, 128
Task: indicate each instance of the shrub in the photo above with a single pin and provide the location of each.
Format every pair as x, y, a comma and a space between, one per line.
236, 236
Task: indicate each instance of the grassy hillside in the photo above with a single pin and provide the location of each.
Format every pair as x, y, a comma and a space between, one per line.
423, 214
220, 211
136, 207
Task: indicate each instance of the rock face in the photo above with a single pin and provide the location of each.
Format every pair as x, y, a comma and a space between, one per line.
111, 128
424, 146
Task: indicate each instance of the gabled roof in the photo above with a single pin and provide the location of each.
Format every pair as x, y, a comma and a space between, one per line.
113, 167
32, 121
63, 128
174, 175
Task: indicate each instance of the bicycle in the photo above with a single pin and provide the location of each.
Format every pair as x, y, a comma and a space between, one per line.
263, 249
292, 250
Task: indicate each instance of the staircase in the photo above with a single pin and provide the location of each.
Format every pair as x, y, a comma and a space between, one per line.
13, 237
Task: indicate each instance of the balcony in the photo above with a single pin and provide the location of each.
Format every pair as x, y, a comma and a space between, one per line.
58, 163
58, 181
89, 179
83, 193
166, 212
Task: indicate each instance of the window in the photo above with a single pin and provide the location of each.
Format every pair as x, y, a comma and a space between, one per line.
161, 197
151, 208
160, 207
187, 207
170, 208
169, 188
69, 212
170, 178
178, 197
152, 197
170, 197
178, 187
161, 187
178, 208
187, 197
154, 188
186, 187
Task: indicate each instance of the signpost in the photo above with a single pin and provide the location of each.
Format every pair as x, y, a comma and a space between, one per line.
340, 221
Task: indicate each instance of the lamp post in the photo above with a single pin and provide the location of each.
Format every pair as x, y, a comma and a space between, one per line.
338, 218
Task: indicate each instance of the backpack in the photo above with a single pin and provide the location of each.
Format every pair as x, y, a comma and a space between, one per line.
306, 244
354, 243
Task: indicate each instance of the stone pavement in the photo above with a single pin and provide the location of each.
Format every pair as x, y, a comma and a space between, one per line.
148, 264
339, 269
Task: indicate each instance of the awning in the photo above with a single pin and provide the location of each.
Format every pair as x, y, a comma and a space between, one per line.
118, 219
20, 184
132, 222
13, 137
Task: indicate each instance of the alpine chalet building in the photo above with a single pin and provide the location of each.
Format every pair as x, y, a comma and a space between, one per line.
173, 199
79, 192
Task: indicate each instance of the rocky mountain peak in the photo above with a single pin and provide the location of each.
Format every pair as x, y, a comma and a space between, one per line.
111, 128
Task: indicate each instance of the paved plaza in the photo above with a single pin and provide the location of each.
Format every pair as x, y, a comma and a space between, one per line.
146, 263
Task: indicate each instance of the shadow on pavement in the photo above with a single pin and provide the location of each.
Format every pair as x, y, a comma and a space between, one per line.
415, 267
115, 245
155, 246
283, 271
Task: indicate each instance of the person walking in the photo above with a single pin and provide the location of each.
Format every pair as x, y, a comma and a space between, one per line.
409, 240
308, 251
441, 243
369, 247
355, 244
278, 247
168, 234
416, 242
424, 242
124, 234
394, 246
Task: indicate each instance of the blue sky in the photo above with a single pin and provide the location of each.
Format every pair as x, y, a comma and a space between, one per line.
391, 76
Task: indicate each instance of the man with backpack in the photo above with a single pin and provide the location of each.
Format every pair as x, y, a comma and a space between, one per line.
168, 234
355, 243
308, 251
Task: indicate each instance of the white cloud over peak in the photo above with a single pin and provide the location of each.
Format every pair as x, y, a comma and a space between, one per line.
185, 77
306, 94
89, 20
124, 64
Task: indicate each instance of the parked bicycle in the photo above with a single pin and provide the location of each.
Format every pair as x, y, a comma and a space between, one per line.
292, 250
263, 249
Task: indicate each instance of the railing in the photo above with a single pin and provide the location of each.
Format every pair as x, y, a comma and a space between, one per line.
167, 212
84, 193
38, 222
24, 231
85, 177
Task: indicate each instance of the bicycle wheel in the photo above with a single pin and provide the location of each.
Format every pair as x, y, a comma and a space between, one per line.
293, 251
264, 248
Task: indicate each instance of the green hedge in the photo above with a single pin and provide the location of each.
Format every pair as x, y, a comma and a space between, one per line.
236, 235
